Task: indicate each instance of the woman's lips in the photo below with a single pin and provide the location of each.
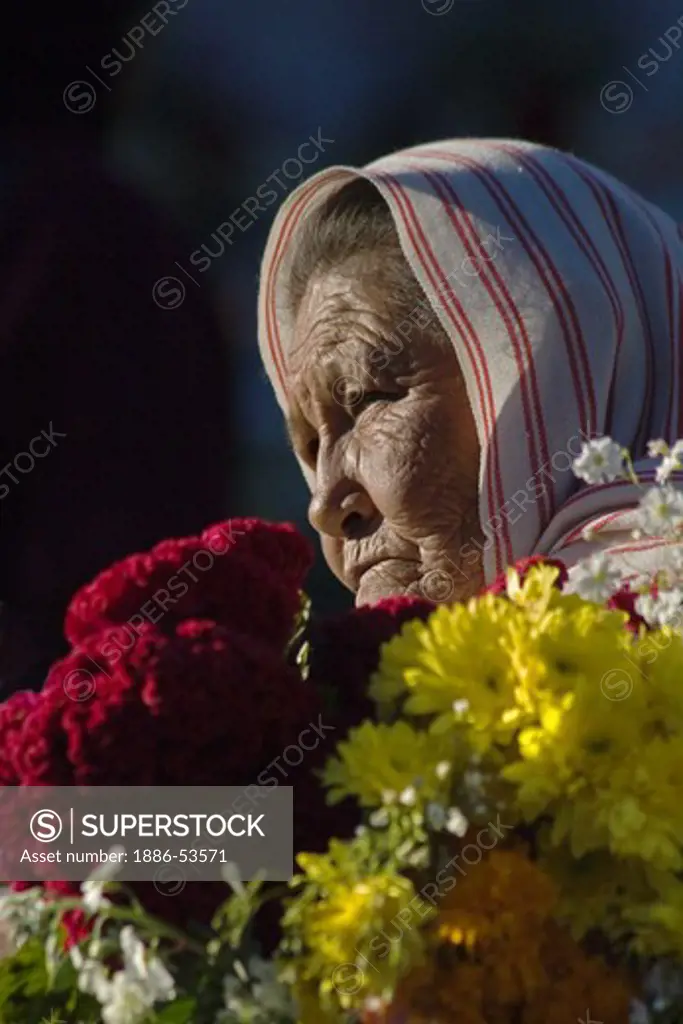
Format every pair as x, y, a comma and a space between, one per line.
385, 578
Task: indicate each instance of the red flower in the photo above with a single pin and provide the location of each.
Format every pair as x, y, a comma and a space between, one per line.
205, 705
624, 600
243, 573
203, 696
345, 651
12, 716
499, 585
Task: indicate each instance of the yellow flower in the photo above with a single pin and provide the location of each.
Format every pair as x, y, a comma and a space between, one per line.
377, 760
596, 892
457, 668
658, 922
356, 932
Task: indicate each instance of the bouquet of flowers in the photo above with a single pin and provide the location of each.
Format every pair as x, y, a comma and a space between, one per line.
502, 836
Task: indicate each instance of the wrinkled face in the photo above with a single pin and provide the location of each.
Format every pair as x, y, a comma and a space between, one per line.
387, 430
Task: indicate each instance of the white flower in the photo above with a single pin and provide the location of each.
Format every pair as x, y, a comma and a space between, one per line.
127, 1002
456, 822
374, 1005
460, 706
663, 610
595, 579
473, 778
656, 449
159, 981
408, 797
93, 896
638, 1013
231, 875
133, 950
435, 815
147, 969
600, 461
268, 991
379, 818
661, 511
443, 770
92, 977
108, 870
24, 913
669, 463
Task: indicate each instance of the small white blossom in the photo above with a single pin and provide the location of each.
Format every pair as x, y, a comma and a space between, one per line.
435, 815
232, 989
374, 1005
461, 706
408, 797
379, 818
92, 977
657, 449
231, 875
600, 461
666, 609
456, 822
638, 1013
108, 869
443, 770
670, 462
129, 994
127, 1001
268, 991
595, 578
93, 896
24, 913
661, 511
473, 778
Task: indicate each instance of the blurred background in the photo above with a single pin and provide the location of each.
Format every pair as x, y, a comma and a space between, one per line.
133, 132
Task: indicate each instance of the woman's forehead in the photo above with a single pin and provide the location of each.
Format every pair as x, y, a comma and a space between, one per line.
337, 312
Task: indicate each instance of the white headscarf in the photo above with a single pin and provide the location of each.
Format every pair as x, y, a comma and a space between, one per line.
562, 292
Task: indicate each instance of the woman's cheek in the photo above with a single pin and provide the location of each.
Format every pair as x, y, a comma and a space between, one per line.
384, 463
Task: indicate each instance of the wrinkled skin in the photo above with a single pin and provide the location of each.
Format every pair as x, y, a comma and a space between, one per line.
396, 461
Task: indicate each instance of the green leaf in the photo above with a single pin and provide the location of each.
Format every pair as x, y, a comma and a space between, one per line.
179, 1012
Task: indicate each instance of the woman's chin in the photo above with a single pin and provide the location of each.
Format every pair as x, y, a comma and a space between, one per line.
379, 583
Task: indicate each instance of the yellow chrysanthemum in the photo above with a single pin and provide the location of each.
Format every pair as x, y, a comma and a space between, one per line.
596, 891
577, 762
346, 925
377, 760
658, 924
457, 668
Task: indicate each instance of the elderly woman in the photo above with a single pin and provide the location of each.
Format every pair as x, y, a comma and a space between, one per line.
443, 329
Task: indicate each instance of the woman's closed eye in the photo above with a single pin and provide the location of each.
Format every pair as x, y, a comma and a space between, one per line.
368, 398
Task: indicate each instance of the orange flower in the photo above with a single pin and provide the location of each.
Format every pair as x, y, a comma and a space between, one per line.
497, 955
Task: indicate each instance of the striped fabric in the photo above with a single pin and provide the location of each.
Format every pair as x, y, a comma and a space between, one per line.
562, 292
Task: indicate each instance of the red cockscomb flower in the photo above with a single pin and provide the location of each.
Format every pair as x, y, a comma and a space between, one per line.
242, 573
203, 696
12, 716
345, 651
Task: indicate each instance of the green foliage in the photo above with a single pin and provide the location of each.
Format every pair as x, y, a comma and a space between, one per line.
26, 994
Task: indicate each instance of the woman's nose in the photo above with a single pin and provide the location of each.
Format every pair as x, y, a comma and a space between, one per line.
345, 511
